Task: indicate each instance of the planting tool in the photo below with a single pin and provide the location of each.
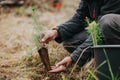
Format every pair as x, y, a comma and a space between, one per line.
43, 52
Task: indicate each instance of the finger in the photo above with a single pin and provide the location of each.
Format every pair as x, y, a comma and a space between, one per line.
53, 67
60, 63
44, 39
46, 36
68, 64
58, 69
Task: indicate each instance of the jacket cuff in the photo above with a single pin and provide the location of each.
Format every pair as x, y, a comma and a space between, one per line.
58, 39
75, 57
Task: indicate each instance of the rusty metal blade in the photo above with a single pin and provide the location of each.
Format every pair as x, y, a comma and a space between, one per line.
43, 52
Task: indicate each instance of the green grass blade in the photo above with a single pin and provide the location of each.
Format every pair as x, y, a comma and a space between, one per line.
109, 66
103, 75
101, 64
93, 75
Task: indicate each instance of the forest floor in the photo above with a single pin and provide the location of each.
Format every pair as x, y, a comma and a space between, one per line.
18, 60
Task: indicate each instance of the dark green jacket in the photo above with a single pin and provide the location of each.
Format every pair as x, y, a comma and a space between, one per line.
94, 10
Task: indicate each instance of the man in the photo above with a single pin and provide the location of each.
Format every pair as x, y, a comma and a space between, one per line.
74, 36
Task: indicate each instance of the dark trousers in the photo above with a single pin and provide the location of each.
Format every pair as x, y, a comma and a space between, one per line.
71, 44
110, 28
76, 44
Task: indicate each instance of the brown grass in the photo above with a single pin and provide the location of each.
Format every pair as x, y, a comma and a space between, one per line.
18, 58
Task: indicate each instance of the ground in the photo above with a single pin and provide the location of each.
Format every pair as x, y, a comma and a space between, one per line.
18, 60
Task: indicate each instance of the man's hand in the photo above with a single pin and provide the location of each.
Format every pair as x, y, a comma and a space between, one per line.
62, 65
49, 35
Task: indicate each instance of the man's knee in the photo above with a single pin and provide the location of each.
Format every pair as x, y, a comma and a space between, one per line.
106, 22
71, 44
110, 28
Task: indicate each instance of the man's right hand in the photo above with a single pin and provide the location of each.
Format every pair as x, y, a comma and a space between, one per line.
49, 35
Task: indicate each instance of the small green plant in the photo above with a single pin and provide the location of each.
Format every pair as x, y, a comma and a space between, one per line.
95, 33
38, 35
42, 50
31, 59
97, 39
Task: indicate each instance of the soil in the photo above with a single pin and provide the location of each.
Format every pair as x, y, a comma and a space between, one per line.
18, 60
16, 29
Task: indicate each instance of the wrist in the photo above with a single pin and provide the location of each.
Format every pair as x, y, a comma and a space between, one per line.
55, 31
55, 28
71, 55
69, 58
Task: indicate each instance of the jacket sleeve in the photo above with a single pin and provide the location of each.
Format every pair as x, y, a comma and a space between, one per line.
76, 24
84, 52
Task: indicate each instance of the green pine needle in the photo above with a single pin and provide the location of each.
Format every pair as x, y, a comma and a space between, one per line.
96, 35
38, 35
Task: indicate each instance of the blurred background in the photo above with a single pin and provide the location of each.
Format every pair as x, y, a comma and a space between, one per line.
18, 59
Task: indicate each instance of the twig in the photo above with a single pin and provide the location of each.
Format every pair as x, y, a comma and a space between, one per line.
78, 60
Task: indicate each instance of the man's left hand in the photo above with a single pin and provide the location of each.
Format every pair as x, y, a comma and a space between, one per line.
62, 65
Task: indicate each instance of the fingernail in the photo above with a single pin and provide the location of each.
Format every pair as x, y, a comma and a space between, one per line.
43, 40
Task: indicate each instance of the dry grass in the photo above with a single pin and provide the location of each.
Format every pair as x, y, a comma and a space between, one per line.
18, 59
